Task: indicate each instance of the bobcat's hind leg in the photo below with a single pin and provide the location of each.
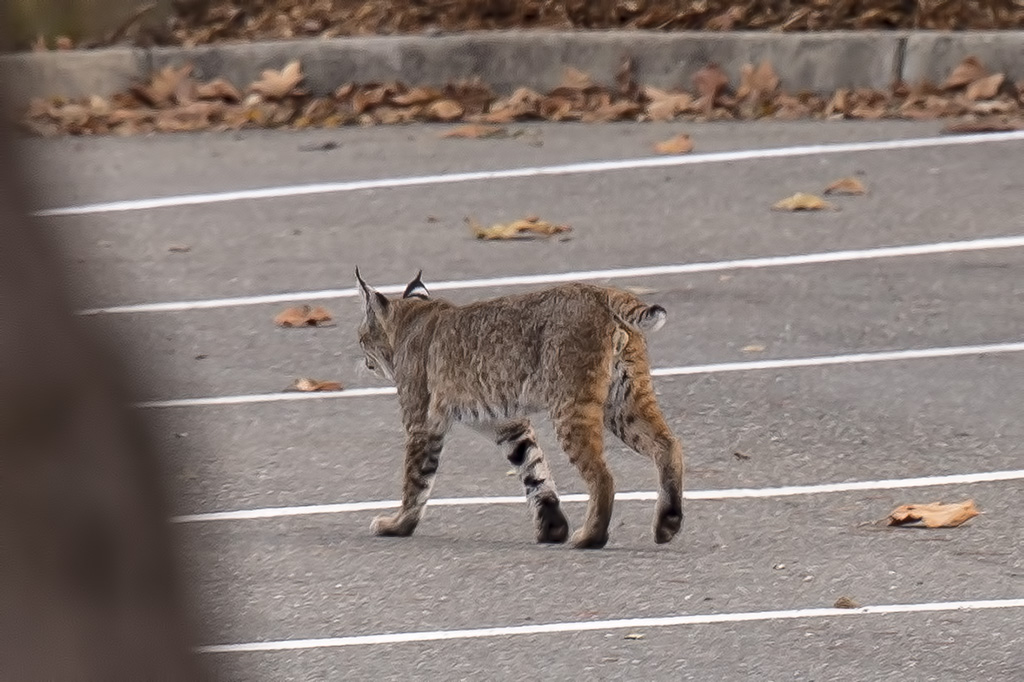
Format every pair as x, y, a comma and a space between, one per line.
632, 414
422, 456
518, 444
581, 434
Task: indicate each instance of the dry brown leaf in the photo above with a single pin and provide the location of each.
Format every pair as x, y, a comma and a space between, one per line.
846, 603
968, 71
993, 124
303, 316
219, 89
416, 96
276, 85
527, 228
680, 144
575, 79
663, 106
612, 111
633, 635
850, 186
310, 385
476, 131
710, 81
759, 81
934, 515
753, 348
803, 202
165, 85
984, 88
445, 110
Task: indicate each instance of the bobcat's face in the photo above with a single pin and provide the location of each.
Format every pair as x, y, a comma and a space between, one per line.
374, 337
376, 347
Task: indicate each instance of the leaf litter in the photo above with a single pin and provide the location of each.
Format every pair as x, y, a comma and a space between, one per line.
314, 385
303, 316
934, 514
803, 202
847, 186
680, 144
527, 228
173, 100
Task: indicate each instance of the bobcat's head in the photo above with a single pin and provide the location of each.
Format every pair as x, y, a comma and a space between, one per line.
376, 332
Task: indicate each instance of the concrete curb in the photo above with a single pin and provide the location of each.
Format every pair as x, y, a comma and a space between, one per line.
816, 62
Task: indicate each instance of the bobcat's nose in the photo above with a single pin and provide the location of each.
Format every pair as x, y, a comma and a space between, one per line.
370, 365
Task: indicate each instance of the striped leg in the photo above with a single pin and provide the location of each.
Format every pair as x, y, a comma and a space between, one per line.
422, 455
518, 444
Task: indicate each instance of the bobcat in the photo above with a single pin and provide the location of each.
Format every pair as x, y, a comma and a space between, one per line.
574, 350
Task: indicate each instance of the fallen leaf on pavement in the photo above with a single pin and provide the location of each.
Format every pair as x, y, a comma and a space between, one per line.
575, 79
527, 228
984, 125
709, 81
476, 131
968, 71
846, 603
752, 348
984, 88
279, 84
303, 316
803, 202
680, 144
633, 635
310, 385
219, 89
165, 86
850, 186
934, 515
445, 110
760, 81
417, 96
179, 248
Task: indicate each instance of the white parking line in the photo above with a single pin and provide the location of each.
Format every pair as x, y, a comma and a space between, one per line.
598, 625
985, 244
640, 496
507, 174
747, 366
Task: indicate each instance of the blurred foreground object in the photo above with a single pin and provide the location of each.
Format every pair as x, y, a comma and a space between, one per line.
83, 21
88, 584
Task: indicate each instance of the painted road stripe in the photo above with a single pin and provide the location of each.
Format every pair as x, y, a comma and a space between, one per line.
599, 625
535, 171
985, 244
746, 366
640, 496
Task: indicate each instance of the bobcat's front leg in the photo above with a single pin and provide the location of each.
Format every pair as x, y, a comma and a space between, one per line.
422, 455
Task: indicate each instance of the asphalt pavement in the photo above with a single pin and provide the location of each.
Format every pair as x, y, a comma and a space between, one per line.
762, 561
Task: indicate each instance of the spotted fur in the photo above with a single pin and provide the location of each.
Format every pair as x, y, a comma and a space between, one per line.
575, 351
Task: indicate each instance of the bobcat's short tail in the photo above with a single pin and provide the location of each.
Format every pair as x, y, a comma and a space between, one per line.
635, 313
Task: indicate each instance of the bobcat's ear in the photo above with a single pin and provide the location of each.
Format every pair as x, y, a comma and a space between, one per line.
375, 304
416, 288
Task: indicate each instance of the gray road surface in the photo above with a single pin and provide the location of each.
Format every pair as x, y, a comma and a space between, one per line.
472, 567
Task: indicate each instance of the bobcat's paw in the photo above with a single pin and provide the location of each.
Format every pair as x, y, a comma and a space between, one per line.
667, 522
391, 526
581, 539
552, 526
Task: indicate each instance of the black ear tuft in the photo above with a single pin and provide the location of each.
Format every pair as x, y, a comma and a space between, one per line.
416, 288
